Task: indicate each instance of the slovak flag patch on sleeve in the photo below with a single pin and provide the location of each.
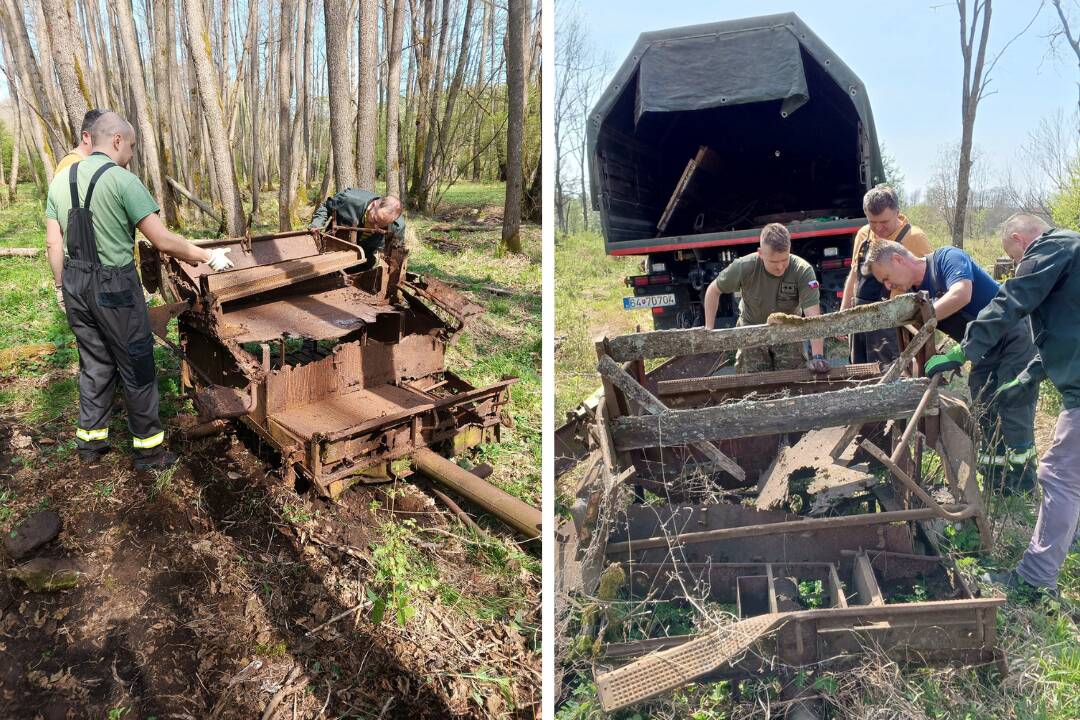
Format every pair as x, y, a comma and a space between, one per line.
813, 284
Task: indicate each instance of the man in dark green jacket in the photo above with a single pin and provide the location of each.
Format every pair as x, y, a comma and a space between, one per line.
353, 207
1046, 286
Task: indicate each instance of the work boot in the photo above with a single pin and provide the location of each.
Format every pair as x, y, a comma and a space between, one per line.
1019, 590
156, 461
92, 455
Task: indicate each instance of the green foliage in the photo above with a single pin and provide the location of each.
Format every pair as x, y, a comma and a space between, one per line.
400, 572
295, 514
812, 594
7, 506
1065, 208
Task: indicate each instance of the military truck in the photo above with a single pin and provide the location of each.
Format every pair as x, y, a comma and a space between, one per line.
707, 133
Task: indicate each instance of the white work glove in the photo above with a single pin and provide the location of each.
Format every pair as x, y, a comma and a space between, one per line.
219, 259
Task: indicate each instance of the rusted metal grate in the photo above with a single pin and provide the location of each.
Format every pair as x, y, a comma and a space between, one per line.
670, 669
862, 371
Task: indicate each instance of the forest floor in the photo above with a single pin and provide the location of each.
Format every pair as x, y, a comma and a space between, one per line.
208, 589
1041, 643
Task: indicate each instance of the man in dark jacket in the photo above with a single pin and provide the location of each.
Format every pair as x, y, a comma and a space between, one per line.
1046, 289
961, 290
356, 208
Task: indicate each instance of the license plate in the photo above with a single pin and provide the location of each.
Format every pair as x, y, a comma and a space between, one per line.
648, 301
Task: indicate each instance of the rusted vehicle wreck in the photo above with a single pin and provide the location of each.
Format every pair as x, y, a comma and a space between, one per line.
844, 483
335, 359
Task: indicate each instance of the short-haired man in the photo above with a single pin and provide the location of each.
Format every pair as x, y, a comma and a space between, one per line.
85, 146
354, 207
1046, 287
884, 222
770, 280
961, 290
91, 215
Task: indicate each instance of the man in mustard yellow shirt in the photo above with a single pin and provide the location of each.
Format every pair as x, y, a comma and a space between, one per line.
81, 151
885, 222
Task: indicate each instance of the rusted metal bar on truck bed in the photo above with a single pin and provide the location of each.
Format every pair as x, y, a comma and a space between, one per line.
787, 528
635, 392
858, 371
766, 417
515, 513
783, 329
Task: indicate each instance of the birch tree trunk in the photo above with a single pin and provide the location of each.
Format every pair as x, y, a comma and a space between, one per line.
210, 101
367, 115
515, 124
284, 77
337, 71
393, 93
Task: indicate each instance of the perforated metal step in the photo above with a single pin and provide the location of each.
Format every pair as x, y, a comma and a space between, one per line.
670, 669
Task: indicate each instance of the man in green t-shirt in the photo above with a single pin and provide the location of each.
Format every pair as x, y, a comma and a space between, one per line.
90, 219
770, 280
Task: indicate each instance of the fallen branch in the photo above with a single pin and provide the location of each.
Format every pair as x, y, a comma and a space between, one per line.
286, 687
456, 509
202, 205
345, 613
20, 252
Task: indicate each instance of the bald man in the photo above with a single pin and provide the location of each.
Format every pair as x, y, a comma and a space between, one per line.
353, 207
90, 219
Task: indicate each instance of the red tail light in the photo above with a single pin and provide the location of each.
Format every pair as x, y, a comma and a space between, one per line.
641, 280
658, 311
659, 279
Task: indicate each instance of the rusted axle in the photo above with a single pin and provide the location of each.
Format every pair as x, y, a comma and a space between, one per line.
515, 513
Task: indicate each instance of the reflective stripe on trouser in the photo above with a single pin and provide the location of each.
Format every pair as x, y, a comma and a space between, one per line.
147, 443
107, 313
91, 435
1015, 417
1059, 474
789, 356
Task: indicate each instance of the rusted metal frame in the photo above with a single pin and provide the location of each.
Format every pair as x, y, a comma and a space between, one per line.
234, 285
790, 527
926, 333
648, 402
738, 381
669, 343
209, 242
910, 484
615, 406
439, 404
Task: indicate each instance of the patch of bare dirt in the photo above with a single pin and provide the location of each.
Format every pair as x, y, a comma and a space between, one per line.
201, 589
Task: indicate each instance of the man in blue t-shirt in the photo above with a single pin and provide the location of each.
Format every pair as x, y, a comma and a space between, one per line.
960, 289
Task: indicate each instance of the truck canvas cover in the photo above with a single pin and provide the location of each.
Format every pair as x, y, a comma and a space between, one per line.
786, 124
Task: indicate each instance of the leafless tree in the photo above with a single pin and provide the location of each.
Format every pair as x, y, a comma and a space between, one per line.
1072, 39
337, 70
393, 93
515, 124
1044, 164
367, 116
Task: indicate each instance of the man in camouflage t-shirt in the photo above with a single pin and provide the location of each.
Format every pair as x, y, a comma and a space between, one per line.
770, 280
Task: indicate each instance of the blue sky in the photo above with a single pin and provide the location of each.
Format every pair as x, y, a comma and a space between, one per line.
907, 54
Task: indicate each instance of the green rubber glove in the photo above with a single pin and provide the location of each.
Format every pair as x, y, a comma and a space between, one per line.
1013, 389
952, 360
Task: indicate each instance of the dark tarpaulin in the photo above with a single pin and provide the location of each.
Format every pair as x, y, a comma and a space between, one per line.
697, 73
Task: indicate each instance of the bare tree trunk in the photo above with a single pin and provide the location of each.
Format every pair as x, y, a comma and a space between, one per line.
477, 150
1073, 40
393, 93
972, 93
447, 130
147, 140
422, 38
515, 124
65, 39
42, 118
432, 109
16, 136
161, 61
284, 73
367, 115
44, 51
303, 87
255, 91
94, 53
210, 100
337, 71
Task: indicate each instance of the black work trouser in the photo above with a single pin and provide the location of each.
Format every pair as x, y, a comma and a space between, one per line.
107, 313
880, 346
1016, 417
